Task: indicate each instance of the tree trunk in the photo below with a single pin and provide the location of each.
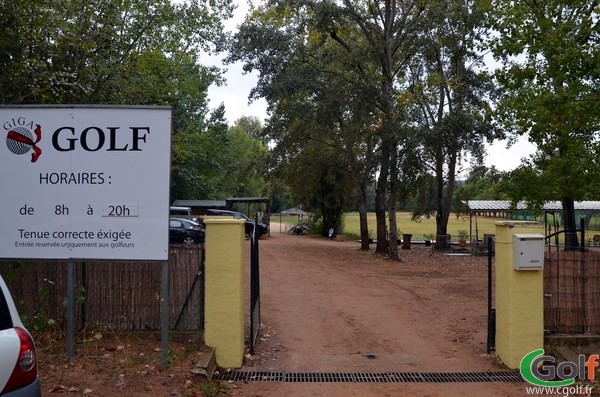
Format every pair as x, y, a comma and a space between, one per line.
448, 192
570, 224
393, 240
393, 244
380, 200
364, 226
362, 216
361, 192
360, 188
441, 218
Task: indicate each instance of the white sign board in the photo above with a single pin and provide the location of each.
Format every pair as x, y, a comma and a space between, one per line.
85, 182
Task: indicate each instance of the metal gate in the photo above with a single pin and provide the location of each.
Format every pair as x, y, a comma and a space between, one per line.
254, 288
572, 292
491, 326
571, 286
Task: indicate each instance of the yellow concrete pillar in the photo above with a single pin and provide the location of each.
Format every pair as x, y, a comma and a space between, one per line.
224, 291
519, 298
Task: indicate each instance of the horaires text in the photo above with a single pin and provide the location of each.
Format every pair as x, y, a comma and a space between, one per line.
72, 178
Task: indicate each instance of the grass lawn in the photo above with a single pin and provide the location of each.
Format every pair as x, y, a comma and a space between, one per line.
405, 225
423, 227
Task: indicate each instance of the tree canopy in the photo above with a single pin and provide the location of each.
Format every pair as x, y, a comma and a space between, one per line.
375, 80
550, 91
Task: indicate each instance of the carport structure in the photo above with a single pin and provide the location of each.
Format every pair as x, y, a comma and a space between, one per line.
520, 211
248, 201
199, 207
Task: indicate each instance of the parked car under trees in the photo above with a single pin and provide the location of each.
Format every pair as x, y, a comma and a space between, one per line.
186, 232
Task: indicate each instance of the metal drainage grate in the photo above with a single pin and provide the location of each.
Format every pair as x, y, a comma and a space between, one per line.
375, 377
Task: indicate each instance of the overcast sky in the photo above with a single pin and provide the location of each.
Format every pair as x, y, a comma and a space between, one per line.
234, 94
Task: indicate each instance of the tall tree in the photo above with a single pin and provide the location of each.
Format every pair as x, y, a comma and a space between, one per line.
324, 186
389, 29
451, 93
314, 98
551, 82
372, 41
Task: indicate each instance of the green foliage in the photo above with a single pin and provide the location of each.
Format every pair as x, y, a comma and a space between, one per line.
450, 100
13, 271
212, 388
40, 320
423, 201
397, 91
118, 52
324, 187
550, 81
482, 183
219, 162
78, 294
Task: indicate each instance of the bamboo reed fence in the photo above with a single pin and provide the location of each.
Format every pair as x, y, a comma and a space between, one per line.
572, 292
121, 296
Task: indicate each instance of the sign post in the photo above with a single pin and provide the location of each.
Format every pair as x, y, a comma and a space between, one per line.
85, 182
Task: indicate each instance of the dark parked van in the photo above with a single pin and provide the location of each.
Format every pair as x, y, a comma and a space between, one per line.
261, 229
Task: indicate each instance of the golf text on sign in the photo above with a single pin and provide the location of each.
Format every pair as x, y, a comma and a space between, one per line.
95, 186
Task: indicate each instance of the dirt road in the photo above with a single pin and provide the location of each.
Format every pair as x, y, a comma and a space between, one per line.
329, 307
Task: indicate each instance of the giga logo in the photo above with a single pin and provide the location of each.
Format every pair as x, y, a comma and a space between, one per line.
23, 137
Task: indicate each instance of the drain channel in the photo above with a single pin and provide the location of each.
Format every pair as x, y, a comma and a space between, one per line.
375, 377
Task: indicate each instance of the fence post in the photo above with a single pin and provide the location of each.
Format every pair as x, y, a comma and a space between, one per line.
70, 309
224, 290
519, 298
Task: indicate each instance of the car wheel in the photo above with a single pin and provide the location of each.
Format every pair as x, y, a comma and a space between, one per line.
187, 241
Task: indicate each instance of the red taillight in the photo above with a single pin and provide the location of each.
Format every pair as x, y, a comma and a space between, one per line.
25, 370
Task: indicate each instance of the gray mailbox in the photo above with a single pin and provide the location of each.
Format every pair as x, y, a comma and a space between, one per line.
529, 251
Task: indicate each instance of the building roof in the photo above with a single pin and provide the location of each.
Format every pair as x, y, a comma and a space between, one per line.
248, 200
220, 204
200, 203
505, 205
294, 211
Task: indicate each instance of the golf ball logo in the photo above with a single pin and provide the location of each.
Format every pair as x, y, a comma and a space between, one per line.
21, 140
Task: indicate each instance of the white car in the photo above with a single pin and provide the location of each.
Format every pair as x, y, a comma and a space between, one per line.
18, 360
